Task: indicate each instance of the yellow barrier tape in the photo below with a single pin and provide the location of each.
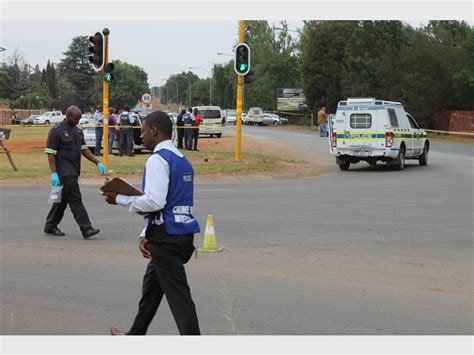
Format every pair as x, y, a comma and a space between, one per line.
449, 132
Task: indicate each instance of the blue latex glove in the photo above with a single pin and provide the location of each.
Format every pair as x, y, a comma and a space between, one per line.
101, 168
55, 179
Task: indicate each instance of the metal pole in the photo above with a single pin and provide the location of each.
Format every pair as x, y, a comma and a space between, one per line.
238, 134
105, 118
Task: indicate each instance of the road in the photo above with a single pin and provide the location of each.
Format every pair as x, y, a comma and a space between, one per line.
369, 251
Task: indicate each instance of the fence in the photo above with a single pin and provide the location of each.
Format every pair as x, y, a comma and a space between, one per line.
453, 121
6, 115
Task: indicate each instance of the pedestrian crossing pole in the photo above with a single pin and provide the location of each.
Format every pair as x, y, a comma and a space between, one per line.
105, 150
240, 79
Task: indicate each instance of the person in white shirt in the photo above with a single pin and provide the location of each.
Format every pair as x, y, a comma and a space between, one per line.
167, 239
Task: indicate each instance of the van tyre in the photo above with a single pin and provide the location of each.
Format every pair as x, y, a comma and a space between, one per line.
424, 156
46, 122
344, 164
400, 160
219, 135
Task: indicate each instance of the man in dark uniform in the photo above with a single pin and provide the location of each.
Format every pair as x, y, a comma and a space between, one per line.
64, 147
167, 239
180, 125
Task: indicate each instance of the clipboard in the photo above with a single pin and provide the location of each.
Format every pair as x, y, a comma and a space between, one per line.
120, 187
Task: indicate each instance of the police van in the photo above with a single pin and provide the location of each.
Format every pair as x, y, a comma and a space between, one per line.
366, 129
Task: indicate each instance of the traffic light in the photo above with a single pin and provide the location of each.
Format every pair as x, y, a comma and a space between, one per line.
242, 59
97, 50
108, 76
250, 77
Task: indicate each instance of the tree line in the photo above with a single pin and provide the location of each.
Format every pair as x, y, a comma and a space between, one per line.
429, 69
72, 81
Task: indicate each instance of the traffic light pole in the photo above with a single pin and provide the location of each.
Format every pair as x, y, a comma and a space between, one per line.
240, 79
105, 152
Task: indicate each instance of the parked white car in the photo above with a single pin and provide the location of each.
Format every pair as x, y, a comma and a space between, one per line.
49, 118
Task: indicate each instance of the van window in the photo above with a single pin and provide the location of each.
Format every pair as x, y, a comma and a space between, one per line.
393, 117
210, 114
361, 120
413, 124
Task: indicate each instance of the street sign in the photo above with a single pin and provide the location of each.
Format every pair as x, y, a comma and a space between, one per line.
146, 98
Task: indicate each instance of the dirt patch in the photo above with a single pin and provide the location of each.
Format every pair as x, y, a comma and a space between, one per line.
23, 146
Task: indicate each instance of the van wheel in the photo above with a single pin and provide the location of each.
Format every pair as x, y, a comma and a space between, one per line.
344, 164
372, 163
219, 135
46, 122
400, 160
137, 150
424, 156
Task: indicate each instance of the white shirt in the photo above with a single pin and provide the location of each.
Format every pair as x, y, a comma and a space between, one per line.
157, 178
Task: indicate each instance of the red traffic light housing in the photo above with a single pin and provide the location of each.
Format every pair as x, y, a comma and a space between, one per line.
97, 51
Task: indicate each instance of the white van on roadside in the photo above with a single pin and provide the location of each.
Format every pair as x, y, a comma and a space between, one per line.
366, 129
212, 121
254, 116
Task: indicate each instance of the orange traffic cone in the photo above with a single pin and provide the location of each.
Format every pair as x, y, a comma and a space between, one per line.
209, 243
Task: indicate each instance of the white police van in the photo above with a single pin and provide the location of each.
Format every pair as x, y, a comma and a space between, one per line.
366, 129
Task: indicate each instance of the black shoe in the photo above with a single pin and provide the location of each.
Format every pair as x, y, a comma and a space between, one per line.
89, 232
54, 231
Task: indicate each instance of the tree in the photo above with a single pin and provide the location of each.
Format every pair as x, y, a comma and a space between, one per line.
323, 47
128, 86
274, 60
77, 70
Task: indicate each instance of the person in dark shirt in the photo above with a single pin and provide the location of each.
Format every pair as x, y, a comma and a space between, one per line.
64, 148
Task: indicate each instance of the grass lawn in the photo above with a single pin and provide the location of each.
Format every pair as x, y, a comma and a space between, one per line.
27, 147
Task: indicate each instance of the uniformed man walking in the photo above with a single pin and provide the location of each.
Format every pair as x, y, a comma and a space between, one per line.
64, 147
167, 238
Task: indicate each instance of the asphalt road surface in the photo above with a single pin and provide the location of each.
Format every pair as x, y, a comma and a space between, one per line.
369, 251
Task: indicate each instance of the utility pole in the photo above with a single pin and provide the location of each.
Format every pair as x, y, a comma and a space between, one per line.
240, 79
105, 118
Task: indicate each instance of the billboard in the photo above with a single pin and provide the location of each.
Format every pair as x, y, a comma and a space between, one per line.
290, 99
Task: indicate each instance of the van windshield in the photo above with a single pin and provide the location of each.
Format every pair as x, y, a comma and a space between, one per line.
210, 114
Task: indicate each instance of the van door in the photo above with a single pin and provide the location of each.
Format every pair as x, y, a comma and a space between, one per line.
360, 131
417, 140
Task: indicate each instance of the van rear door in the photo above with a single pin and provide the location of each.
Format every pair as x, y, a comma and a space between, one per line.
360, 132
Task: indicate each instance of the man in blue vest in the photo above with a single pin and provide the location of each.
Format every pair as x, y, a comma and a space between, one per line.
167, 239
188, 121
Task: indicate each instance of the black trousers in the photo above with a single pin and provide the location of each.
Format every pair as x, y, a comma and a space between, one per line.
196, 136
180, 136
71, 196
165, 275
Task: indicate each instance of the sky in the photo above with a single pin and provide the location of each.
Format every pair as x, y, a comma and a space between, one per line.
161, 48
168, 37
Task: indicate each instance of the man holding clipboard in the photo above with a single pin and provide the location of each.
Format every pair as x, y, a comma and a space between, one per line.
167, 239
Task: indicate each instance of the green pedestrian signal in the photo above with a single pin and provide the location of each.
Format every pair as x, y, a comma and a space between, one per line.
242, 59
108, 76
